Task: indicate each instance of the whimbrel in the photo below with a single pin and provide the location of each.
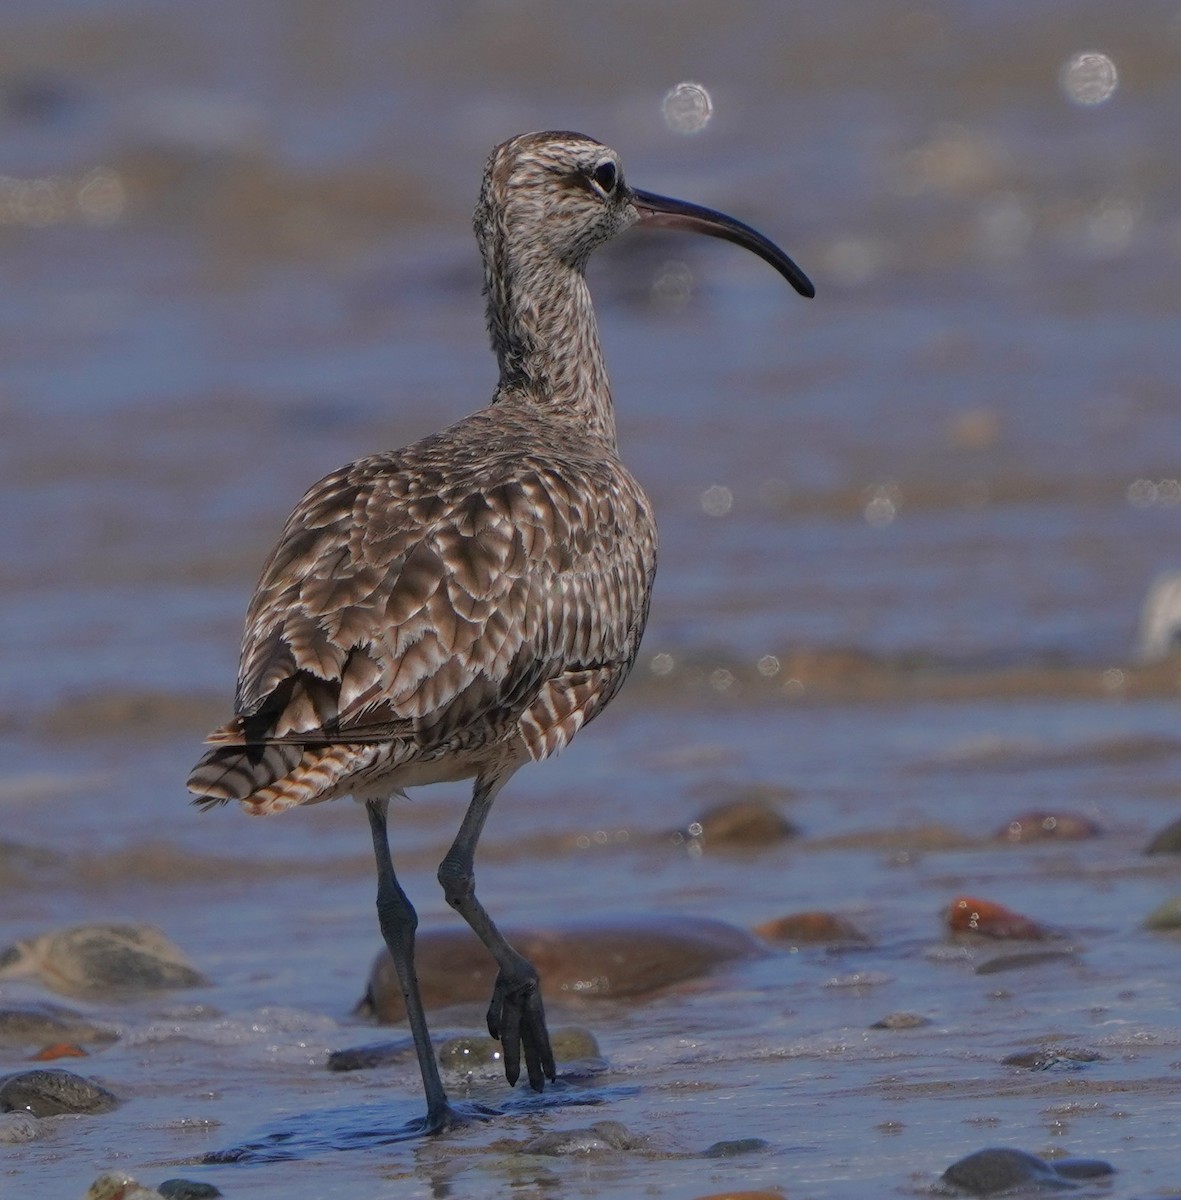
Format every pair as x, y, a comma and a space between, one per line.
460, 607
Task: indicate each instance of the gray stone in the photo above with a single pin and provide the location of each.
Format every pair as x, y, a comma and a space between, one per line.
89, 960
901, 1020
115, 1185
602, 1136
48, 1092
42, 1024
1002, 1169
736, 1147
374, 1054
18, 1127
188, 1189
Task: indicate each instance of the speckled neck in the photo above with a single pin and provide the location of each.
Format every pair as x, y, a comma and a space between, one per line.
542, 325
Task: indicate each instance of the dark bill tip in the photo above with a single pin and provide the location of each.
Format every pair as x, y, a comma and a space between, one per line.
661, 212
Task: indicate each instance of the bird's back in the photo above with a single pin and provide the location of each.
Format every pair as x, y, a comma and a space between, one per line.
478, 594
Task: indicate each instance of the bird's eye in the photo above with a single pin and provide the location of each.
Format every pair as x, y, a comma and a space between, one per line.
605, 176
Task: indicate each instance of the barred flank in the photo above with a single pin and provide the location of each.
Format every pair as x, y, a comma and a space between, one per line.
270, 777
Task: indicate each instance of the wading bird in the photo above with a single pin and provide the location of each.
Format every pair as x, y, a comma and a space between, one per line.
460, 607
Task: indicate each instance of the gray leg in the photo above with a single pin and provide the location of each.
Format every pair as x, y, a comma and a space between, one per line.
398, 922
516, 1016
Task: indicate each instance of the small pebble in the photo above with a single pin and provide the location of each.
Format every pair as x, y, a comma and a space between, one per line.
93, 960
985, 918
1044, 1060
188, 1189
1167, 840
740, 824
375, 1054
760, 1195
46, 1024
1001, 1169
811, 928
597, 1138
47, 1092
18, 1127
1165, 916
117, 1186
471, 1054
1048, 826
16, 856
58, 1050
572, 1042
974, 429
736, 1147
1082, 1168
479, 1054
901, 1020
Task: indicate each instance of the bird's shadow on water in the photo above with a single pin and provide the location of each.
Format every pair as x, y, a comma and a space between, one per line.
367, 1126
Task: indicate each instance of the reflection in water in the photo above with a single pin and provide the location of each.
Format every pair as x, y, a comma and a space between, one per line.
1089, 79
687, 108
672, 287
717, 500
98, 197
881, 504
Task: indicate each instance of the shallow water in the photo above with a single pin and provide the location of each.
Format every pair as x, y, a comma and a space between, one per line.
906, 530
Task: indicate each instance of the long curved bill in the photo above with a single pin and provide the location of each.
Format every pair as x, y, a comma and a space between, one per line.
662, 212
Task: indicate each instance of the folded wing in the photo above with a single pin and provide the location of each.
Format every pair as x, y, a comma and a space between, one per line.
410, 611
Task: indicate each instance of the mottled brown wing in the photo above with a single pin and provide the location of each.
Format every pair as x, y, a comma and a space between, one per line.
439, 606
603, 609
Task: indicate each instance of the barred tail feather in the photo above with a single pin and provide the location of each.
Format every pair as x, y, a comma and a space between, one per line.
268, 777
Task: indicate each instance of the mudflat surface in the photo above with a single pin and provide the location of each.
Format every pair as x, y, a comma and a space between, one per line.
906, 532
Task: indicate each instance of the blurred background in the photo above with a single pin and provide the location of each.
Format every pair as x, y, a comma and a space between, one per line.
235, 252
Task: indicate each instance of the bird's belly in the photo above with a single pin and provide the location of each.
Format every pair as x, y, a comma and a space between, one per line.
448, 767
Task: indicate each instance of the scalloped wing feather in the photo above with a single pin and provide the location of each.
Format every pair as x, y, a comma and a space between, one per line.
441, 593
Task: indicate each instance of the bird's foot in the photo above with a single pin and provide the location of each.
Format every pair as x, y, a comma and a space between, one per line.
516, 1018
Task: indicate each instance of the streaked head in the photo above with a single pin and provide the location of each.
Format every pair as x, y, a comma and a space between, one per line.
563, 194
